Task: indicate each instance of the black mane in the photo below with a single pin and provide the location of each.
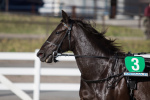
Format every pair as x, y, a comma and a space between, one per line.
107, 45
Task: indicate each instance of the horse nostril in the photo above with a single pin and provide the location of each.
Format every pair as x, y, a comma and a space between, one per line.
40, 55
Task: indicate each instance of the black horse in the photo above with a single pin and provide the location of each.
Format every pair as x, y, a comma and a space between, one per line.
99, 61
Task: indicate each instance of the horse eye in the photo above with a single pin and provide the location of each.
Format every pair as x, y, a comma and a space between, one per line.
57, 32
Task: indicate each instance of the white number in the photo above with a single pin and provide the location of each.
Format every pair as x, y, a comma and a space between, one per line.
135, 63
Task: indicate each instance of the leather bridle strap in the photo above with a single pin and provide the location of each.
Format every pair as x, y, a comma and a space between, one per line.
59, 45
69, 33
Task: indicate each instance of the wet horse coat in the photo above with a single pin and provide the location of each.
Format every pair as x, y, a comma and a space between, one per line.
83, 39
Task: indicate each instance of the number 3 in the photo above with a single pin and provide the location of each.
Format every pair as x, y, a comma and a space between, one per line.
135, 63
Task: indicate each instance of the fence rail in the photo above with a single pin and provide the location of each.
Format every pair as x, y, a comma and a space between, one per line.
36, 71
45, 87
44, 71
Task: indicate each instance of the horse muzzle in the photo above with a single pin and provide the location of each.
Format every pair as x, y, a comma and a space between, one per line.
47, 58
44, 58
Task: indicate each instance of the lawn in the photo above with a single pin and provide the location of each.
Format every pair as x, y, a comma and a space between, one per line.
25, 24
135, 46
31, 24
17, 45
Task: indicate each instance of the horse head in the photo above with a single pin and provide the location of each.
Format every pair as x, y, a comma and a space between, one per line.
60, 40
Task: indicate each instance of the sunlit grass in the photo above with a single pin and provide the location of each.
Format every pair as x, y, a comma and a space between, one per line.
135, 46
17, 45
119, 31
25, 24
49, 24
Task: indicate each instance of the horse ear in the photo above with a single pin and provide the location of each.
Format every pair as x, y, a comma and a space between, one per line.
65, 16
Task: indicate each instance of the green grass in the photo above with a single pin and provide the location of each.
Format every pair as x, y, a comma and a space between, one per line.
18, 45
124, 31
21, 29
30, 28
119, 31
135, 46
32, 18
23, 24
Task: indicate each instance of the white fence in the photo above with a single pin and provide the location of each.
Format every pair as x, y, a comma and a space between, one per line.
18, 88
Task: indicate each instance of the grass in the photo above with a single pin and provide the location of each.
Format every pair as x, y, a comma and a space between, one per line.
29, 27
118, 31
135, 46
17, 45
25, 24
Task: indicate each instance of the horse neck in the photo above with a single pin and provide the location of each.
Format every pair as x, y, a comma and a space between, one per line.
83, 45
91, 68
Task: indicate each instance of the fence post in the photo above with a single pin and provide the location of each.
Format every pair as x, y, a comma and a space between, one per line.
21, 94
37, 73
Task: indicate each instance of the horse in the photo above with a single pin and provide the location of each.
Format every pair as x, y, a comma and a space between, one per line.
99, 60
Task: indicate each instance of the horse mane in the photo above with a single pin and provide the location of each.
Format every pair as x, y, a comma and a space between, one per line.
108, 46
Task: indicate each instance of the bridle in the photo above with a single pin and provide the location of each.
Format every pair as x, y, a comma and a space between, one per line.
68, 33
